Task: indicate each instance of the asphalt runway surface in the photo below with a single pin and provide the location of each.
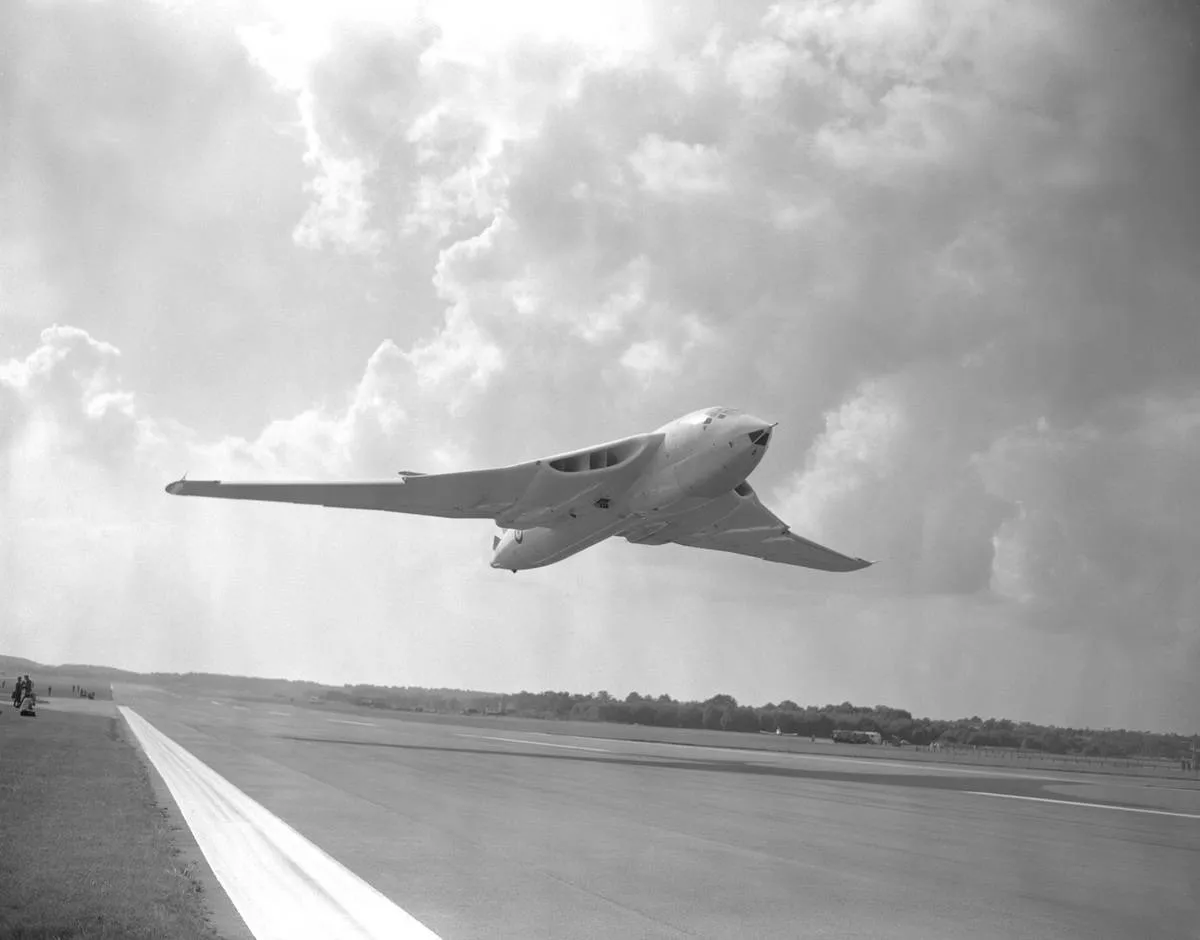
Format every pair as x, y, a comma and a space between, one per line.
480, 832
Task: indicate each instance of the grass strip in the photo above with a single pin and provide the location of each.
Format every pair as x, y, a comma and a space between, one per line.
85, 850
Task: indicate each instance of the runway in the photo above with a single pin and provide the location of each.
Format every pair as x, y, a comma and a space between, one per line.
487, 832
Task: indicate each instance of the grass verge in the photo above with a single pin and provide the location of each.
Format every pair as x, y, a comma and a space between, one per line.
85, 851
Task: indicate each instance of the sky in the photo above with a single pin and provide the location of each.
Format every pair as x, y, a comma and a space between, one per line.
951, 250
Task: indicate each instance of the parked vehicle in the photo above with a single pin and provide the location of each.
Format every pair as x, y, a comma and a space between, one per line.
856, 737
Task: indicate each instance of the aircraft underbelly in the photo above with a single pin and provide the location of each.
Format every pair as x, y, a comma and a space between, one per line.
546, 546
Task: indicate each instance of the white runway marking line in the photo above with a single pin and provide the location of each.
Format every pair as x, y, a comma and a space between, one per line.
569, 747
280, 714
282, 885
1122, 809
347, 721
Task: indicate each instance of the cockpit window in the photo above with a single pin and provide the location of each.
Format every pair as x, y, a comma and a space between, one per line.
705, 416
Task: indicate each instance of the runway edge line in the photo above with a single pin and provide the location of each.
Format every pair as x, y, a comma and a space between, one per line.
282, 885
1120, 809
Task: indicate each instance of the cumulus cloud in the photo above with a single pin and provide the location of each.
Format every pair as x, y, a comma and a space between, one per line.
669, 167
891, 471
339, 213
92, 539
67, 393
951, 252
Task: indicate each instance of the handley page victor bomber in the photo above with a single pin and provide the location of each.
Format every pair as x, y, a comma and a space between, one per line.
684, 483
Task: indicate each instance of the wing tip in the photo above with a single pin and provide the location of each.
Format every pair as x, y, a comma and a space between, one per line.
185, 487
846, 565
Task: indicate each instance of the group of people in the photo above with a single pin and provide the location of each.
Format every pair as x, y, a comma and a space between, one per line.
23, 689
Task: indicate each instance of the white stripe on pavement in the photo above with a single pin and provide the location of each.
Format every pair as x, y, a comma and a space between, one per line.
1123, 809
569, 747
283, 885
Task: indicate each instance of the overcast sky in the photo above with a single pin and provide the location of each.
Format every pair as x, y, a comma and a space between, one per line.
950, 246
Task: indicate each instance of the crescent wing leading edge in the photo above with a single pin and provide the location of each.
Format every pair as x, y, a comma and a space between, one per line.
535, 493
749, 528
472, 494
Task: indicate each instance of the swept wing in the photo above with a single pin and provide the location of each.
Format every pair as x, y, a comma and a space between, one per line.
537, 492
473, 494
738, 522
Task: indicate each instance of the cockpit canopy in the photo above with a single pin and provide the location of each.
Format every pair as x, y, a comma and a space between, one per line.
707, 415
599, 458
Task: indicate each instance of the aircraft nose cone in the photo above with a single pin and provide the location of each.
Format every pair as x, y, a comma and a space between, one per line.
758, 430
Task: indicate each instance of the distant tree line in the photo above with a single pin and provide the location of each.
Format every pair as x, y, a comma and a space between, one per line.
720, 712
724, 713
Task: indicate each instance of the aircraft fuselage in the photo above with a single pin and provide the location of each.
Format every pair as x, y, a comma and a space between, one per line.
683, 464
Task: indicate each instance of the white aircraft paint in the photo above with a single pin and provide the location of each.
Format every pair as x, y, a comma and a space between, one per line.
684, 483
282, 885
1123, 809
